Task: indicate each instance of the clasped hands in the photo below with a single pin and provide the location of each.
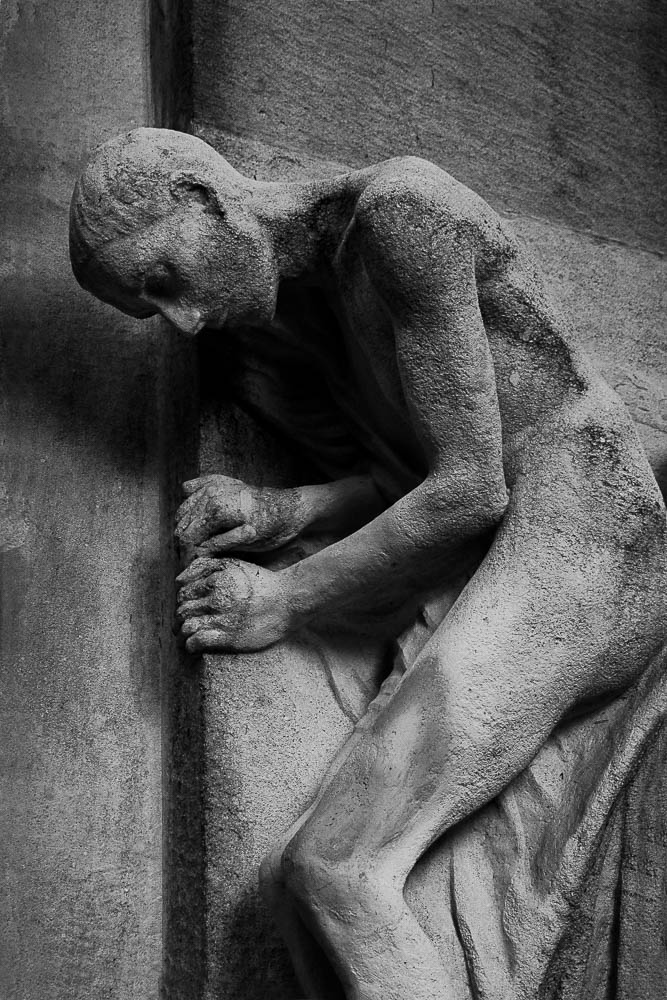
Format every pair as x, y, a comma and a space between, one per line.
229, 603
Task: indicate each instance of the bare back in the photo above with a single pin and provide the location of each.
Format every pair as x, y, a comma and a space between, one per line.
541, 378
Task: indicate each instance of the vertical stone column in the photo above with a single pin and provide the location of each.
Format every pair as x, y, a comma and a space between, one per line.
524, 107
89, 407
250, 735
270, 725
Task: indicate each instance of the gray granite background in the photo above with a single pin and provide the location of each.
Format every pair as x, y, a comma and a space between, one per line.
554, 112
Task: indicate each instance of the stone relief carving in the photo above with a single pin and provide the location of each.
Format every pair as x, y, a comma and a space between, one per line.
482, 504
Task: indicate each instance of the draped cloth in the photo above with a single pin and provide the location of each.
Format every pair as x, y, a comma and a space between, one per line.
557, 889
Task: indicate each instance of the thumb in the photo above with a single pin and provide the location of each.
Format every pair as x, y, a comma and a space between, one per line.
243, 535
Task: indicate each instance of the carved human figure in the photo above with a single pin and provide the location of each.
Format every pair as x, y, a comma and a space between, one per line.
486, 443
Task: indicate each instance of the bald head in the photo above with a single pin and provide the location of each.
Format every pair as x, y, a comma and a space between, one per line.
136, 179
161, 223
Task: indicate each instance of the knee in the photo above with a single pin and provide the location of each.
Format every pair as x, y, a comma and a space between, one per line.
302, 868
292, 867
270, 875
318, 878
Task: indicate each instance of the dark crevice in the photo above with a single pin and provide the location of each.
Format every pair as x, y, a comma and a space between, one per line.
184, 778
170, 45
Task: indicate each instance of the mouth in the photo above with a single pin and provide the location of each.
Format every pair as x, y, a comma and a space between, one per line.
215, 322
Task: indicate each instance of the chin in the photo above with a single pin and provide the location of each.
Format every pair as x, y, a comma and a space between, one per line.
218, 320
136, 313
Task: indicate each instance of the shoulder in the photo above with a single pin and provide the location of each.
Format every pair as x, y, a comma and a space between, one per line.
411, 191
412, 213
414, 227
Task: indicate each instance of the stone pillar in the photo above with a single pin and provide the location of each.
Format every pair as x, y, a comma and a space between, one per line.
92, 419
549, 114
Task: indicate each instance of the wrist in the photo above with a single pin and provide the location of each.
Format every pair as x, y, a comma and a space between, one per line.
310, 507
297, 598
341, 506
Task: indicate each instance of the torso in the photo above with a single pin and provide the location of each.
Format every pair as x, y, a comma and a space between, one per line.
346, 331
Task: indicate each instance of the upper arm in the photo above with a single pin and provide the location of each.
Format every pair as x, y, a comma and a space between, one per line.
419, 257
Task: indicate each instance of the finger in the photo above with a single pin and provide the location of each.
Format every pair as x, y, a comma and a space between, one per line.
207, 641
205, 515
194, 519
192, 485
185, 509
183, 522
200, 606
192, 625
197, 568
242, 535
192, 591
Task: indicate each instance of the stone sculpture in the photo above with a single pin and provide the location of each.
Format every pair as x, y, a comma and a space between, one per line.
491, 508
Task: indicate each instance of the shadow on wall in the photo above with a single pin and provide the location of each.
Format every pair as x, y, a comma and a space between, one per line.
85, 375
101, 415
81, 398
274, 974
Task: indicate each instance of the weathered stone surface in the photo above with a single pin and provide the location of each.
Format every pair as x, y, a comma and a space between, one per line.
86, 551
487, 509
614, 297
553, 112
613, 294
553, 109
270, 724
81, 906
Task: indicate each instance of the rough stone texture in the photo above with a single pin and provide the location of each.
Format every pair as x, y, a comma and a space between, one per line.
171, 63
271, 723
524, 147
244, 807
553, 109
89, 401
613, 295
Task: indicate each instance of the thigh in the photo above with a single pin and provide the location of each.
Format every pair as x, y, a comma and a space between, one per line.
556, 615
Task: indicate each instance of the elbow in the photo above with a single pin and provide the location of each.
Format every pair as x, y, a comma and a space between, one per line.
471, 507
494, 506
483, 513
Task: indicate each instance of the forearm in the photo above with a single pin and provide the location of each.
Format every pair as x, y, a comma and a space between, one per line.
342, 506
405, 550
223, 515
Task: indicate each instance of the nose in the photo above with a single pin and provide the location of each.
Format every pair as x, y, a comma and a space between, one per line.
187, 319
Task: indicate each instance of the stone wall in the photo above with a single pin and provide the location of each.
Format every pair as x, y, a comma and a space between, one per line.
551, 109
89, 401
551, 112
554, 112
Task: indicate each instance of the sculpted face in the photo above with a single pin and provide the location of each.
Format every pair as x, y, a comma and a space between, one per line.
196, 267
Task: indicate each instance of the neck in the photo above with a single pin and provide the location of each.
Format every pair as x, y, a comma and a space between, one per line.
305, 222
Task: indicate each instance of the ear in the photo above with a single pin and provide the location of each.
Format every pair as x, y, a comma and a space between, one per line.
184, 186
